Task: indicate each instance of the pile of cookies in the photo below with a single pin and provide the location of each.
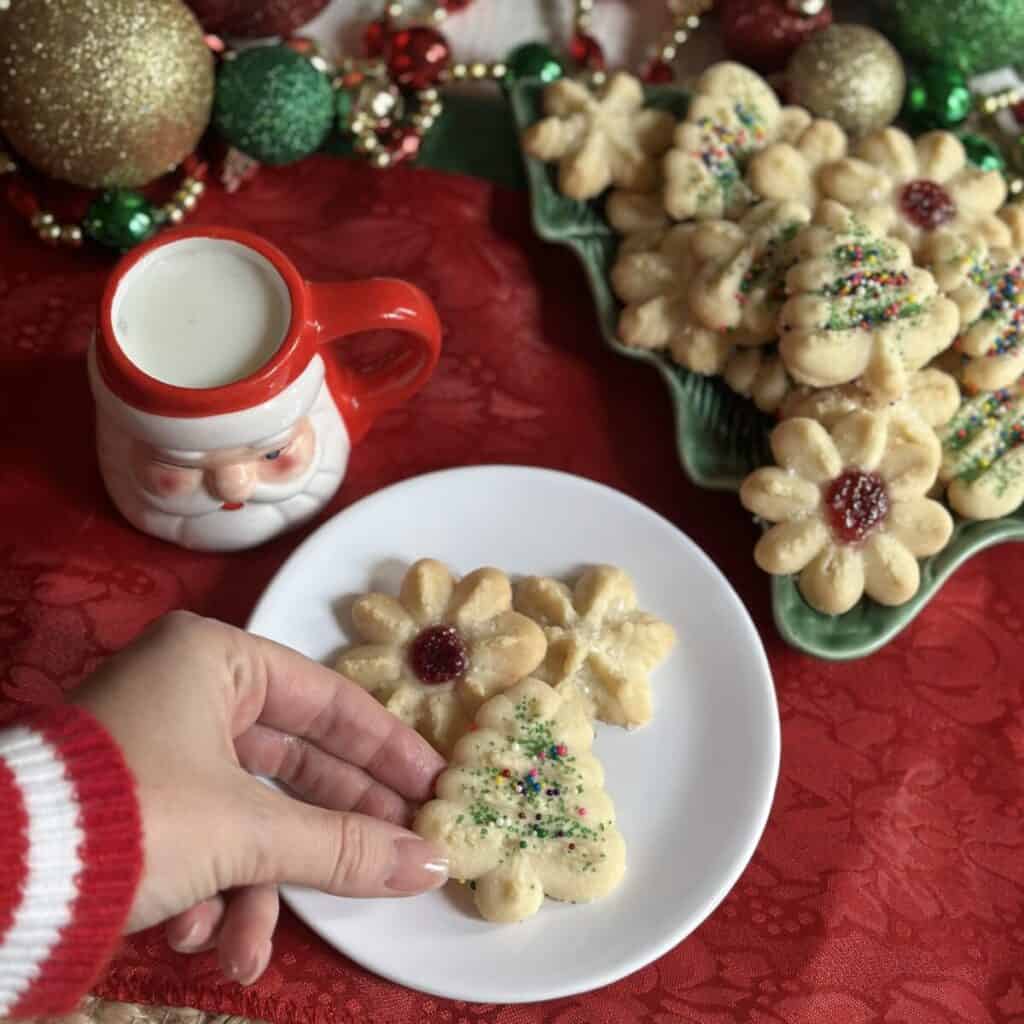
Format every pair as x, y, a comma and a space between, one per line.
869, 294
506, 682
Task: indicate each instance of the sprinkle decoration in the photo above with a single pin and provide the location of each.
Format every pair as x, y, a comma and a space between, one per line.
1005, 303
983, 431
725, 146
769, 269
534, 806
867, 294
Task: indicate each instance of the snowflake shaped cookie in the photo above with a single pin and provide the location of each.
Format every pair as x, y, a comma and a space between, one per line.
522, 810
850, 508
983, 455
860, 309
906, 188
652, 277
600, 139
436, 653
740, 281
600, 645
734, 113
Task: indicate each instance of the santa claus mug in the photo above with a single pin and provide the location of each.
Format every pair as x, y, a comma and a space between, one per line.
225, 414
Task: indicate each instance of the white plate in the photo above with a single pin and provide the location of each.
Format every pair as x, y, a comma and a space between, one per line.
692, 790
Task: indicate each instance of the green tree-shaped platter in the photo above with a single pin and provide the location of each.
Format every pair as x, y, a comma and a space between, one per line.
722, 437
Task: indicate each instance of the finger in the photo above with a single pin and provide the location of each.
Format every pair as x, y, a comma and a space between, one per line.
194, 930
343, 853
244, 943
292, 694
317, 777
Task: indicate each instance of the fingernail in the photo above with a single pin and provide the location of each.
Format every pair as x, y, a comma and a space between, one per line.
419, 867
250, 970
188, 942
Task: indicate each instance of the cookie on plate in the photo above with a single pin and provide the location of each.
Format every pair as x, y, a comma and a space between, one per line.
759, 374
600, 645
521, 809
849, 508
437, 652
983, 455
910, 188
600, 138
860, 310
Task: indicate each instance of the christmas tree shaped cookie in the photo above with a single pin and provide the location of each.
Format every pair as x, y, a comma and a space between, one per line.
860, 310
983, 455
521, 809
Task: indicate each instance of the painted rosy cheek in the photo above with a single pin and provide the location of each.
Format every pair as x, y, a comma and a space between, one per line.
168, 481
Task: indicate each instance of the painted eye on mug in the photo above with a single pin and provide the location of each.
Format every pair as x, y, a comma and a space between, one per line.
270, 456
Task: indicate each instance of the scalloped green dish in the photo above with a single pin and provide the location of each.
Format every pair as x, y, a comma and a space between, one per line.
722, 437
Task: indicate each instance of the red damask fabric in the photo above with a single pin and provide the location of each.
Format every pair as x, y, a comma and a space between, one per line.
889, 885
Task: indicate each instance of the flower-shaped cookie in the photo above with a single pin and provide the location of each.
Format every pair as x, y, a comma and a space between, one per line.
789, 169
987, 286
859, 308
601, 139
600, 645
909, 189
522, 810
931, 394
630, 212
733, 113
983, 455
740, 281
442, 648
850, 508
758, 374
652, 277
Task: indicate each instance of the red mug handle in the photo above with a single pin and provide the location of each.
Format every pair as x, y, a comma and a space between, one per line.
342, 309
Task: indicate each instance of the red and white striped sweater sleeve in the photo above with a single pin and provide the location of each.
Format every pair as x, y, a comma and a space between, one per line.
70, 858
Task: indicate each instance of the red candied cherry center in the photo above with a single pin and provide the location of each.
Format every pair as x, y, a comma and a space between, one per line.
857, 503
927, 204
438, 654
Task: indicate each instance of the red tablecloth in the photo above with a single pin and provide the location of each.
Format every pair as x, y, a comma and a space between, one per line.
889, 885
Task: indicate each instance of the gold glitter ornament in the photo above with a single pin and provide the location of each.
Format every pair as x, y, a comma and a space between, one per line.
103, 93
851, 74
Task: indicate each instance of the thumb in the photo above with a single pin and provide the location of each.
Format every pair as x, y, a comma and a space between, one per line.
338, 852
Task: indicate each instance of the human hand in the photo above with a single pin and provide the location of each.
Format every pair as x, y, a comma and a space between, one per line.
195, 706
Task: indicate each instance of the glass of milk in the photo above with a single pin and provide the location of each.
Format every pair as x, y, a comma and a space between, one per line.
225, 414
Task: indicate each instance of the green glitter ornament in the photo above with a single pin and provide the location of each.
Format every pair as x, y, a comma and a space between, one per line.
120, 219
973, 35
533, 60
983, 153
937, 97
273, 105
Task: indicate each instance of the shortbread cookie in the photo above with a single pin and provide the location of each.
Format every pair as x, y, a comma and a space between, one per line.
600, 645
931, 394
652, 277
789, 169
740, 280
435, 654
733, 114
600, 139
860, 310
983, 455
630, 212
759, 374
850, 508
987, 286
522, 811
908, 189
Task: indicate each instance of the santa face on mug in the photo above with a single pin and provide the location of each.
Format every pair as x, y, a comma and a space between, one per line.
224, 499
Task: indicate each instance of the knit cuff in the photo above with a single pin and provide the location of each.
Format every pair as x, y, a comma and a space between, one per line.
70, 858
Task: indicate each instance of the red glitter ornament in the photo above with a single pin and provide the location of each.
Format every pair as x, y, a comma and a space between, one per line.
417, 56
438, 655
766, 33
857, 504
254, 19
375, 38
658, 72
586, 51
927, 205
